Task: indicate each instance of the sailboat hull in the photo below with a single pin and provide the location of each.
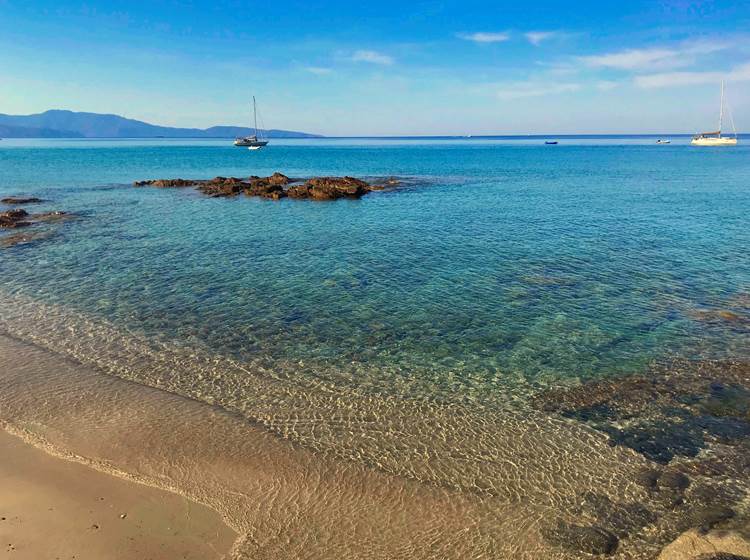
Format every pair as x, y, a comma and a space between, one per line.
708, 141
248, 143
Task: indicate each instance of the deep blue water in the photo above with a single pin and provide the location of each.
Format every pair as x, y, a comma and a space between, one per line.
501, 262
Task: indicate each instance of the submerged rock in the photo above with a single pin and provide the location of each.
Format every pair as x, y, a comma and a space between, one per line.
20, 200
578, 538
621, 519
18, 218
675, 411
56, 216
24, 238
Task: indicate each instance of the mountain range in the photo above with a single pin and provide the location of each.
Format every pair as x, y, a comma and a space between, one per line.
58, 123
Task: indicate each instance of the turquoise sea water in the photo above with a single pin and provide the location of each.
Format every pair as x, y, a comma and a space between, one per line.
499, 264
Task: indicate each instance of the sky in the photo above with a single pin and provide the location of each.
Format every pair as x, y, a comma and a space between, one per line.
349, 68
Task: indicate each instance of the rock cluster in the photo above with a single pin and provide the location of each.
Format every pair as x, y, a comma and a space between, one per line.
277, 186
14, 219
691, 420
20, 218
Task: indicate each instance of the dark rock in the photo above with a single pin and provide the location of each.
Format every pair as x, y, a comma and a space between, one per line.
56, 216
331, 188
298, 191
597, 412
705, 518
14, 218
659, 441
674, 479
265, 189
222, 186
275, 186
23, 238
166, 183
619, 518
278, 179
21, 200
647, 478
727, 400
577, 538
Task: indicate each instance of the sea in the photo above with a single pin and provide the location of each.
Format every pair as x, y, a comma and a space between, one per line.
418, 342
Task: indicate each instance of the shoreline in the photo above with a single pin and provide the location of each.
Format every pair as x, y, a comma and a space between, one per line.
83, 512
282, 494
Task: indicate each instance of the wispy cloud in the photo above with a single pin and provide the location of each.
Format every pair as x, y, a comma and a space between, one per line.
606, 85
681, 79
517, 90
536, 37
635, 59
373, 57
655, 58
319, 70
484, 37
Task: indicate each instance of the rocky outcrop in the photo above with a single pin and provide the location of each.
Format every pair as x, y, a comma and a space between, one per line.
330, 188
20, 200
14, 219
221, 186
166, 183
277, 186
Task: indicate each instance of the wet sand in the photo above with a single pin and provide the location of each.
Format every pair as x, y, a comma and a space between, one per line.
54, 508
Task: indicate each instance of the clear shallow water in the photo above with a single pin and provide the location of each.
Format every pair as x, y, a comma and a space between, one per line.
405, 333
505, 263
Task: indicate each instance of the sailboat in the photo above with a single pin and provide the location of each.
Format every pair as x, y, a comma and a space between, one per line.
256, 141
715, 138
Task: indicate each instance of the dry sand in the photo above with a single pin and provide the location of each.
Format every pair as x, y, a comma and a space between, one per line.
51, 508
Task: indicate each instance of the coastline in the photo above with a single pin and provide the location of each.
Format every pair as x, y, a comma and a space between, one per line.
501, 485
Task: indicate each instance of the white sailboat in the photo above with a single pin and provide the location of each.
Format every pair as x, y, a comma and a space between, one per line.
715, 138
256, 141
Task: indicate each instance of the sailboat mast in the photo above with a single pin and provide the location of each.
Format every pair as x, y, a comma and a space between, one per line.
255, 113
721, 108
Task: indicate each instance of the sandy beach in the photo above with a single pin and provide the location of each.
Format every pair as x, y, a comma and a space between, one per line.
53, 508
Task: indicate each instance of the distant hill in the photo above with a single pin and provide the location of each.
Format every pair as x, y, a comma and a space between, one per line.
35, 132
69, 124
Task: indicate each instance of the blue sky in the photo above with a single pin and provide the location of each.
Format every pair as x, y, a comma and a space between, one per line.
382, 68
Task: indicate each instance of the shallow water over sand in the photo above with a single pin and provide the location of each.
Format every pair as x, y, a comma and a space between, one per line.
393, 365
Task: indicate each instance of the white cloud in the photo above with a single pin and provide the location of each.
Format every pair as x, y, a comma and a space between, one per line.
517, 90
681, 79
319, 70
373, 57
536, 37
657, 58
635, 59
484, 37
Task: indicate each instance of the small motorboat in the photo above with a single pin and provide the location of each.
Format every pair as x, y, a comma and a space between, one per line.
551, 142
662, 141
